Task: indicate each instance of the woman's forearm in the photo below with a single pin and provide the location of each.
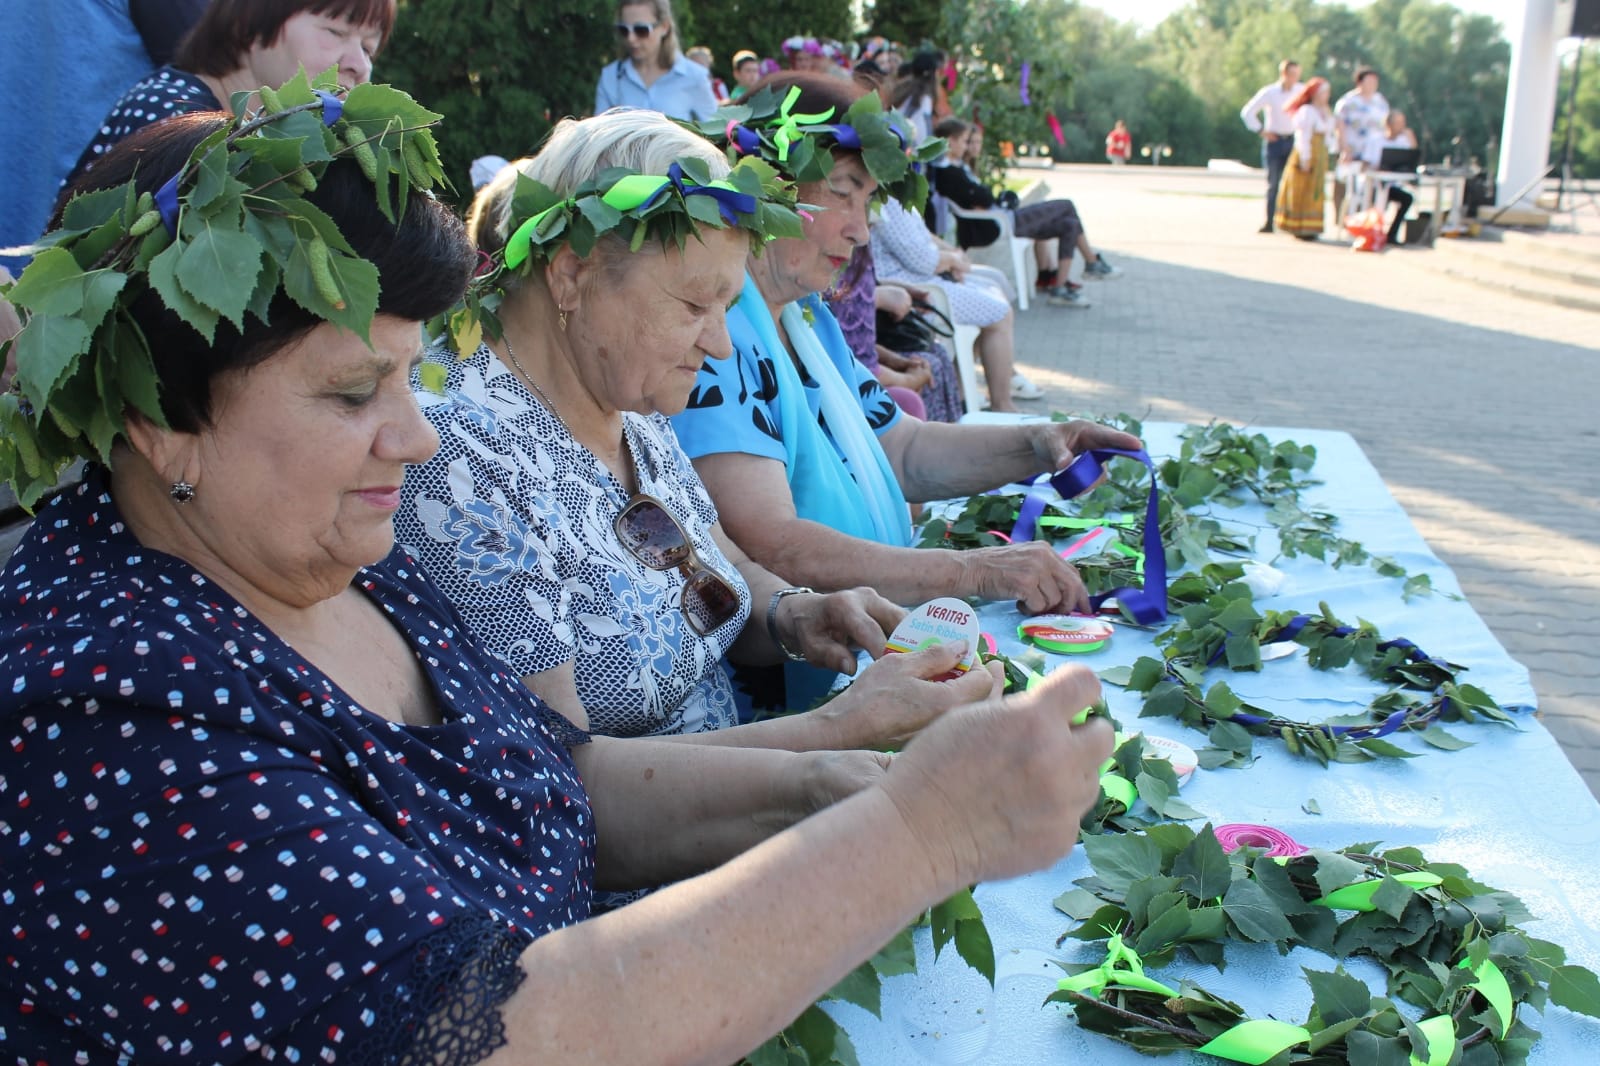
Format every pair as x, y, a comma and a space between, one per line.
668, 809
937, 460
809, 553
705, 970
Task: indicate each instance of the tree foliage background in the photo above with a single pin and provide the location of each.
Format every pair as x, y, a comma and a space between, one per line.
504, 71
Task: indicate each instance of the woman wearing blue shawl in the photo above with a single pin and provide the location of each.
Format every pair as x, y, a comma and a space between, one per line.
808, 460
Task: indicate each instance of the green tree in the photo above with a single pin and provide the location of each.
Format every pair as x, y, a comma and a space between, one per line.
502, 72
992, 39
1446, 70
1585, 116
908, 21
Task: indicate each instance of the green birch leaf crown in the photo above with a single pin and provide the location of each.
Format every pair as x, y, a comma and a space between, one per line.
216, 243
800, 145
633, 207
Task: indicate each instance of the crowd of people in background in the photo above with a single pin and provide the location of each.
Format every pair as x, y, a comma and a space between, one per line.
1311, 142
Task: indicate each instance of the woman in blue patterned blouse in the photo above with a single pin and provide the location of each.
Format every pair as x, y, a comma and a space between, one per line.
262, 796
551, 431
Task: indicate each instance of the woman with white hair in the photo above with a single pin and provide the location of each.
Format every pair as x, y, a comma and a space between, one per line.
652, 72
559, 494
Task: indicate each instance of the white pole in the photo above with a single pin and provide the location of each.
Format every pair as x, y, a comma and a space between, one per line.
1530, 102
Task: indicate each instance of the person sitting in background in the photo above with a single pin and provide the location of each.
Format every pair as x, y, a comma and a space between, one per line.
746, 72
651, 73
1397, 135
810, 464
296, 812
702, 55
238, 46
906, 252
1054, 226
915, 91
921, 379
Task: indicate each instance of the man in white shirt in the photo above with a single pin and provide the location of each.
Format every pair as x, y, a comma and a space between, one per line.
1267, 114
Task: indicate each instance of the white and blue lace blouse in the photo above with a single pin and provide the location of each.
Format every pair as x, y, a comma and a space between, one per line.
512, 519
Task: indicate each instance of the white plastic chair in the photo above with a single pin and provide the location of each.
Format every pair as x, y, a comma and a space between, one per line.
1007, 252
963, 350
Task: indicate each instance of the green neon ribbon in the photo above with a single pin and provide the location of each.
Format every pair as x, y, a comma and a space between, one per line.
1255, 1041
1058, 521
522, 237
1441, 1033
1120, 789
630, 193
1491, 984
1358, 896
1122, 969
788, 125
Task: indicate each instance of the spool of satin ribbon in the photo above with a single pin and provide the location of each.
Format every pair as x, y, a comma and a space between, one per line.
1279, 845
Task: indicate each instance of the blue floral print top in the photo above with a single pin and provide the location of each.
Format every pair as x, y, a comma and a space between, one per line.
208, 852
512, 519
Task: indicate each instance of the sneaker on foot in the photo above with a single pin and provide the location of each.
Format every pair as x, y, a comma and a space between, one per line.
1061, 296
1023, 389
1265, 229
1100, 269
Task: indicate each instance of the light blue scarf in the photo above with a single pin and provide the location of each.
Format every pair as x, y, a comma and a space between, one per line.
868, 505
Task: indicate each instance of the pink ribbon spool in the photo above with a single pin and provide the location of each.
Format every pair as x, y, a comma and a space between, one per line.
1279, 844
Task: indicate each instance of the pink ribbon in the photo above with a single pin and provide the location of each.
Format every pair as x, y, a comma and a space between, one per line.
1246, 835
1055, 129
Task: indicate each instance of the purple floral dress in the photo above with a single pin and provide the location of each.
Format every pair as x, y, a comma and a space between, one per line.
853, 301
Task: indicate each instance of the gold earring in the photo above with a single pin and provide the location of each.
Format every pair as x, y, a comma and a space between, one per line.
561, 313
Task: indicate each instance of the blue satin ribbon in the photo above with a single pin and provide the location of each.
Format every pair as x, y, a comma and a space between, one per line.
747, 139
730, 202
1148, 605
167, 196
167, 204
332, 106
1392, 723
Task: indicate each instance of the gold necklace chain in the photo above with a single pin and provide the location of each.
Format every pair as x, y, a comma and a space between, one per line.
549, 404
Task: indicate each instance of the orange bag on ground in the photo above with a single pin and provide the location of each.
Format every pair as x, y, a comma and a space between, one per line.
1369, 229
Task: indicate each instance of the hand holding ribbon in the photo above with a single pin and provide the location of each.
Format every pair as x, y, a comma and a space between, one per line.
1094, 446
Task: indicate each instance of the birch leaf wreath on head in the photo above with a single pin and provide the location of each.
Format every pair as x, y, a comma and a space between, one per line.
216, 242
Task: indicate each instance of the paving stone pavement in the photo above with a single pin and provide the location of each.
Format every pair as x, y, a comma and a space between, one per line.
1481, 410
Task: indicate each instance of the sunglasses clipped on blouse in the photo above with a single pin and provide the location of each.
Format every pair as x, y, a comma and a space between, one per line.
652, 535
640, 30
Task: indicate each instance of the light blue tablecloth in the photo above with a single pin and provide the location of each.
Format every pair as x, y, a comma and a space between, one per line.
1511, 809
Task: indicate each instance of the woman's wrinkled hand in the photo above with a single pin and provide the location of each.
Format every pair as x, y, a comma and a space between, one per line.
895, 698
996, 790
1031, 573
827, 628
1057, 444
894, 301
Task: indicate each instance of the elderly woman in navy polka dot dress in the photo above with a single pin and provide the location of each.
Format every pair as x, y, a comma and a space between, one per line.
240, 45
263, 797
